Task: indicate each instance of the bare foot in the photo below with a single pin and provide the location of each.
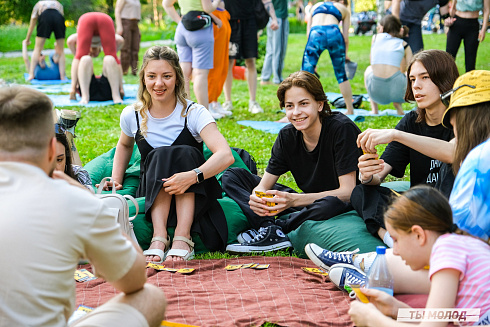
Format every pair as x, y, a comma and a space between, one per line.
84, 100
155, 245
178, 245
117, 101
30, 78
265, 82
73, 95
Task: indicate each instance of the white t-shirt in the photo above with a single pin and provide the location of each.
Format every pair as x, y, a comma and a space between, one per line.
47, 225
164, 131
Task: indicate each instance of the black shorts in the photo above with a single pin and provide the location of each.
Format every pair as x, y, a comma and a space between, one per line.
243, 40
51, 21
99, 90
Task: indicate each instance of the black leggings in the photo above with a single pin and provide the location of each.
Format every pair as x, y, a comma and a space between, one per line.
466, 29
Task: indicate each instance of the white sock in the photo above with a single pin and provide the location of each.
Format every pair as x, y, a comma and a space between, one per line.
364, 261
388, 240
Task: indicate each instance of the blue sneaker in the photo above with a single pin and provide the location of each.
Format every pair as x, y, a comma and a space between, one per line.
325, 259
345, 274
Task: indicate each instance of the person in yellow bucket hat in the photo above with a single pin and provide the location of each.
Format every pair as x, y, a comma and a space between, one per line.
469, 115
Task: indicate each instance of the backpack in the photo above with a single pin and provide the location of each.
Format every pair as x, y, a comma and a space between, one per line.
340, 103
119, 205
261, 15
248, 160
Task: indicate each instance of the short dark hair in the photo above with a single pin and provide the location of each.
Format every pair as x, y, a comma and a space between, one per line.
392, 25
442, 71
26, 120
310, 83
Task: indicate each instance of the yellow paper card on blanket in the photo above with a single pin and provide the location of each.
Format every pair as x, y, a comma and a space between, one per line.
185, 270
155, 266
249, 265
233, 267
174, 324
170, 269
315, 271
83, 275
261, 266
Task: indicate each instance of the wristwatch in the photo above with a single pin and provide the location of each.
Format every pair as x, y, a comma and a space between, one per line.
200, 175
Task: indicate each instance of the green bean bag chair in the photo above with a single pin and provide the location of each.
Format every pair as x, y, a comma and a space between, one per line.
101, 167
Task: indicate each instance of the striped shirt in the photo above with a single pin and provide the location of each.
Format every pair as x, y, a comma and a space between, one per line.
471, 257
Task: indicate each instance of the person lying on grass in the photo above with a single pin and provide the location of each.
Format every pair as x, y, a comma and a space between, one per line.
318, 148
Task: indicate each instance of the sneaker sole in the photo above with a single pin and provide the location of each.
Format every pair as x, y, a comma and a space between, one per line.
313, 257
247, 249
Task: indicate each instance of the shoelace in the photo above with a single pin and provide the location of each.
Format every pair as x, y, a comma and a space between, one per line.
260, 235
354, 279
344, 256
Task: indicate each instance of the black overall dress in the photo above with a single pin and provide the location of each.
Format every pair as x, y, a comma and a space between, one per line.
183, 155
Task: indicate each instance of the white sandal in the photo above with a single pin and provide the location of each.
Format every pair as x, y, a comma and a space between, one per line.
184, 254
157, 252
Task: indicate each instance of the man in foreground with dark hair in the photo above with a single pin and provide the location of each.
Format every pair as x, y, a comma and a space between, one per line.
48, 225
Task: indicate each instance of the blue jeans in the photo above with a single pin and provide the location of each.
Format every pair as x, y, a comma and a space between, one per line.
277, 42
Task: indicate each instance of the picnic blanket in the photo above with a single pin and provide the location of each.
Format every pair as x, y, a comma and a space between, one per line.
212, 296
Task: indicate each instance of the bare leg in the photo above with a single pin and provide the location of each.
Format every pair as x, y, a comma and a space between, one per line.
74, 78
184, 205
407, 281
251, 74
85, 72
159, 217
187, 70
346, 91
201, 86
113, 72
150, 301
229, 81
398, 107
60, 50
38, 47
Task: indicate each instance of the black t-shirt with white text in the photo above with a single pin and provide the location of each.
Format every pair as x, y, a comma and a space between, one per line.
336, 154
423, 169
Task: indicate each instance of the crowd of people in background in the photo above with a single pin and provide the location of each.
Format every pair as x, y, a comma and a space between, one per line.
445, 140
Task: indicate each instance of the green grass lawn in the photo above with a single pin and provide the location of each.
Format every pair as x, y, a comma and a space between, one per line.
98, 130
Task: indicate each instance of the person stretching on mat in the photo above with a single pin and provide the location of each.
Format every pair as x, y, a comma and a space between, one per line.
324, 34
178, 184
109, 85
318, 148
42, 71
49, 16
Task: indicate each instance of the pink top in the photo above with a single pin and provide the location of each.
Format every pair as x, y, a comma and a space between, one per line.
471, 257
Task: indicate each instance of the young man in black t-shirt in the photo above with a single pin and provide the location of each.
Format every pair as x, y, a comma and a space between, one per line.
318, 148
419, 139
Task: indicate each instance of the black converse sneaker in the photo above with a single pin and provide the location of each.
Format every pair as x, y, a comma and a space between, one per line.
268, 239
246, 236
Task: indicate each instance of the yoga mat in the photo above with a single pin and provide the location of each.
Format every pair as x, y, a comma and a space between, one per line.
274, 127
64, 100
46, 82
332, 96
130, 90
